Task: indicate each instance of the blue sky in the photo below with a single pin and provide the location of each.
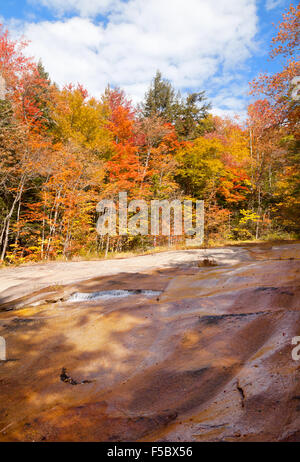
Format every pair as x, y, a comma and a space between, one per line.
212, 45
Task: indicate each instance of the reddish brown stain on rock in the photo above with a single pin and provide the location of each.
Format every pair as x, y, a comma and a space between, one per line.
209, 361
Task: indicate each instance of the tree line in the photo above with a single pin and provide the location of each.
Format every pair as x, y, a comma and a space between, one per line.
62, 151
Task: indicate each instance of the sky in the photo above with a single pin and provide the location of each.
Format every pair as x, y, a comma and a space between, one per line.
213, 45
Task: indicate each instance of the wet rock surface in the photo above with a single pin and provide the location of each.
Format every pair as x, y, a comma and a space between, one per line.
209, 359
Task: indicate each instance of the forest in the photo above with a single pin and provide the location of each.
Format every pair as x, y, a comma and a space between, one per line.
63, 150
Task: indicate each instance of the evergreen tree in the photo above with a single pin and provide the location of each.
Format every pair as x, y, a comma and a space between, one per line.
185, 114
41, 94
161, 100
192, 111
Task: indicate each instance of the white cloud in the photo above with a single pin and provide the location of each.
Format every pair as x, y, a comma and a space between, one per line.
190, 41
239, 116
271, 4
231, 99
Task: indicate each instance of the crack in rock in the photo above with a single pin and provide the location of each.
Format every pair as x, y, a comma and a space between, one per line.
64, 377
241, 392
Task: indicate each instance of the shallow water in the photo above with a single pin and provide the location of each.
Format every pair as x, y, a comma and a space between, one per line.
110, 294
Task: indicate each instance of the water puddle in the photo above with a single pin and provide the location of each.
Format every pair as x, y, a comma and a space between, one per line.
110, 294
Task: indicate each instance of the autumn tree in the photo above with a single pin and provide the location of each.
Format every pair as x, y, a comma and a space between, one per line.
279, 90
19, 127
